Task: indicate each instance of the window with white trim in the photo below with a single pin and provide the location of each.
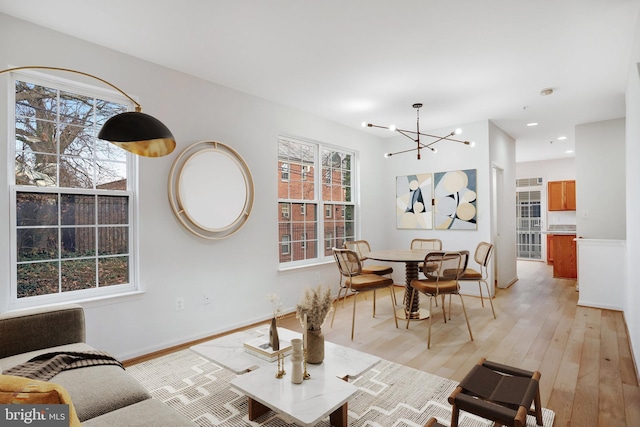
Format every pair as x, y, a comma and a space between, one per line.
284, 172
321, 178
71, 197
285, 244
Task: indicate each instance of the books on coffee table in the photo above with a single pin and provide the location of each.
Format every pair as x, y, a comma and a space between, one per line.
260, 347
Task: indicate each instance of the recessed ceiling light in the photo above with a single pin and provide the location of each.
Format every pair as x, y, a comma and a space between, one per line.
532, 124
569, 151
562, 138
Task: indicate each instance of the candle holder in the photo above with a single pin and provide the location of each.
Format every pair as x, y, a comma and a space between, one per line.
281, 372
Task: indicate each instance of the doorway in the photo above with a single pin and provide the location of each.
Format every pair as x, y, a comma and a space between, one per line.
528, 218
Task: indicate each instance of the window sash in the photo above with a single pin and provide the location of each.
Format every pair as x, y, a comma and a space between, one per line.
100, 230
309, 166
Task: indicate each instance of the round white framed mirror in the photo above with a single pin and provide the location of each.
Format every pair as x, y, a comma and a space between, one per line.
211, 190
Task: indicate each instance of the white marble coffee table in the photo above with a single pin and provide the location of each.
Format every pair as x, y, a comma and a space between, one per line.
325, 394
306, 404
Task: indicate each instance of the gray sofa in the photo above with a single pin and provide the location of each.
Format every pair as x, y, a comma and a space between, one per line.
102, 395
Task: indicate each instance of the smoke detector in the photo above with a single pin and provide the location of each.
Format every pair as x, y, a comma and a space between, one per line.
545, 92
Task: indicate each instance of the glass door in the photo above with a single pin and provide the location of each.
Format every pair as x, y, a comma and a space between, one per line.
529, 223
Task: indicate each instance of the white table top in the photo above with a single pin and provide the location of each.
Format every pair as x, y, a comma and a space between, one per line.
306, 403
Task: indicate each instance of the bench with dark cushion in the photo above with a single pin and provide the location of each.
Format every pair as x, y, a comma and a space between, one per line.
498, 392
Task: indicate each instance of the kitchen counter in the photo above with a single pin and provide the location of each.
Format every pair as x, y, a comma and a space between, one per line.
560, 229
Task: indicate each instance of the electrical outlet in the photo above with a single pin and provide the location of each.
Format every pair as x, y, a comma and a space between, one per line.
206, 299
179, 303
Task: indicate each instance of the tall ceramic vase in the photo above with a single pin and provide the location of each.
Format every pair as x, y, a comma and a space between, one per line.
274, 341
315, 346
296, 361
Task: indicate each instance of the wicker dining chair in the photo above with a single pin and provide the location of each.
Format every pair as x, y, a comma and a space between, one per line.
441, 281
482, 255
362, 248
352, 279
433, 244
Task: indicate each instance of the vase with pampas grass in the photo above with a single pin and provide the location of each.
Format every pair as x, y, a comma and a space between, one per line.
312, 310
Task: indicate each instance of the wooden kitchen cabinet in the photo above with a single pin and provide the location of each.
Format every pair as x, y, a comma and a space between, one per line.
565, 263
561, 195
549, 249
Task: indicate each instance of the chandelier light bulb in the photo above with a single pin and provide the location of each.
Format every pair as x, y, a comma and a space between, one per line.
435, 150
457, 131
364, 124
392, 128
472, 144
387, 155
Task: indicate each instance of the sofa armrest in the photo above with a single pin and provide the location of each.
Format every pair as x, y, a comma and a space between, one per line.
39, 328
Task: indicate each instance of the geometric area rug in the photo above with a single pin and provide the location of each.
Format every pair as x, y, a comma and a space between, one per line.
389, 395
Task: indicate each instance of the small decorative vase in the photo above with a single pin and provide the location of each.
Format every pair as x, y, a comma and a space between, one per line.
274, 341
315, 346
296, 361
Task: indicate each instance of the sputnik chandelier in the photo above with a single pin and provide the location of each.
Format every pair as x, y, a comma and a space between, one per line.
415, 136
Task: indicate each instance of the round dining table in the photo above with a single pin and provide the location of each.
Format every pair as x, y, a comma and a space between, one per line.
411, 258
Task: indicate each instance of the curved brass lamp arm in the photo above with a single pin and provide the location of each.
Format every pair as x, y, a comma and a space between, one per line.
136, 132
43, 67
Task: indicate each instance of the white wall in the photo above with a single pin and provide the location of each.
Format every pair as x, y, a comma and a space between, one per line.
238, 272
632, 145
549, 170
600, 184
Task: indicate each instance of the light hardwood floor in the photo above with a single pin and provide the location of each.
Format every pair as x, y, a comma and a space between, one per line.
583, 354
588, 377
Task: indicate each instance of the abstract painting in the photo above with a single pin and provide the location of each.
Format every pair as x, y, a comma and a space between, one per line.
455, 200
413, 202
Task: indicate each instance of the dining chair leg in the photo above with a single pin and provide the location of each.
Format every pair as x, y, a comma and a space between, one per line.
336, 304
430, 317
449, 306
344, 297
490, 299
374, 303
408, 315
353, 318
393, 306
466, 317
481, 298
444, 313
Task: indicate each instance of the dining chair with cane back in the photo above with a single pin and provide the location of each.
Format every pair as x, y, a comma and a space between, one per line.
352, 279
433, 244
441, 281
362, 248
482, 255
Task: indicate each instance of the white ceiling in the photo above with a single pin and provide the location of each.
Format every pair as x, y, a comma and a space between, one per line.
369, 60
